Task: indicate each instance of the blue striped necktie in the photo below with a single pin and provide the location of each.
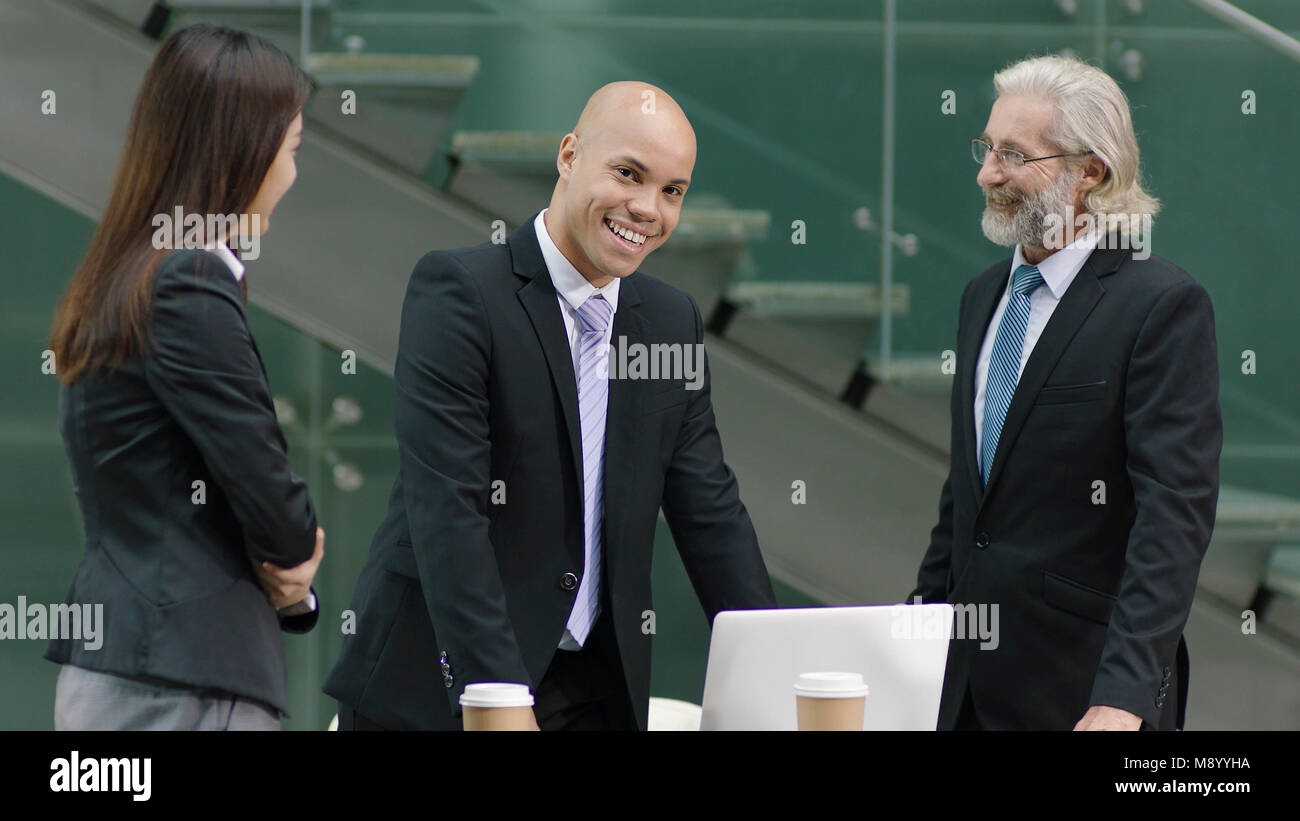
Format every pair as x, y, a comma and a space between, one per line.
593, 396
1004, 366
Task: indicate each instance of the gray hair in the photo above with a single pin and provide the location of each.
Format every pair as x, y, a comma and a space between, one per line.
1092, 114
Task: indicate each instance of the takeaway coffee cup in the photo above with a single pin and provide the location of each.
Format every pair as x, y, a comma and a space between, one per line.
497, 706
830, 701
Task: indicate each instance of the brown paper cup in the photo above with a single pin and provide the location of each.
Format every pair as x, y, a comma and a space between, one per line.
831, 713
830, 701
498, 718
497, 706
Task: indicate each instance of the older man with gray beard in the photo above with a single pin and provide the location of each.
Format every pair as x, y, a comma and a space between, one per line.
1085, 428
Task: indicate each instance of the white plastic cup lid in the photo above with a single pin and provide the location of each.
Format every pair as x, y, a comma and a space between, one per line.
830, 685
496, 694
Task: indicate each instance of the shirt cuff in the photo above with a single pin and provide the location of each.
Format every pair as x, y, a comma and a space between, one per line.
307, 605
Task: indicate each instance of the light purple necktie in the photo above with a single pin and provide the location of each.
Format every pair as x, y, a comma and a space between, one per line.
593, 396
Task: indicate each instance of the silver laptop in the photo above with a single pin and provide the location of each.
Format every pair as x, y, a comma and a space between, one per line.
756, 655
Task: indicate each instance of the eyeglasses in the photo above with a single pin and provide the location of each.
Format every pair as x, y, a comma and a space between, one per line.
1008, 157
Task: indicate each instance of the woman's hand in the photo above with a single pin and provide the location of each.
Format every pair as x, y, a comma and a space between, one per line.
286, 586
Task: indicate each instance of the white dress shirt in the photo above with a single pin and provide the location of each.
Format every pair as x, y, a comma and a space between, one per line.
572, 289
227, 256
1058, 271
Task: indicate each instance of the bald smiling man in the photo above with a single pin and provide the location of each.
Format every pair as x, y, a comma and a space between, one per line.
533, 465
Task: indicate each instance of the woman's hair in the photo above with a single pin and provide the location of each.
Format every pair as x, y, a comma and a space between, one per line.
1092, 114
212, 112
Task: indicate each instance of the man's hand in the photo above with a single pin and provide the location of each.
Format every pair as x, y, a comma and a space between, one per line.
1101, 717
286, 586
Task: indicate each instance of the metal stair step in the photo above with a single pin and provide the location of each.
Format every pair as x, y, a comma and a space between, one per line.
279, 21
403, 104
830, 300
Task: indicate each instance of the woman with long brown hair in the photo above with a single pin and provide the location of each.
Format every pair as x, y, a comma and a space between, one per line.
201, 543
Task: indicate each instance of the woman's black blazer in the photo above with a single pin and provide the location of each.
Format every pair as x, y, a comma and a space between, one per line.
181, 472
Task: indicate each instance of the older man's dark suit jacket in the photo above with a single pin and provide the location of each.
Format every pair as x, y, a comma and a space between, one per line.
1122, 389
486, 393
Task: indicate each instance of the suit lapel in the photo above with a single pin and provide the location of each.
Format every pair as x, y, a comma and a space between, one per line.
540, 302
1080, 298
984, 301
622, 427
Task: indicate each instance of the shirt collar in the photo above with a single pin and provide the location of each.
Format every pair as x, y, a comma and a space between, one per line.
568, 281
1059, 269
227, 256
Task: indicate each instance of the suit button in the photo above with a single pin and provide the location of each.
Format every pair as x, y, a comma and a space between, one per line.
568, 582
446, 682
982, 541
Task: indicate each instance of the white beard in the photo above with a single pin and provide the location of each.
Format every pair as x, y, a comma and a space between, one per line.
1027, 226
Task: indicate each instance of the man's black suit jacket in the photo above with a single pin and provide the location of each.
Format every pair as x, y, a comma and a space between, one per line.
465, 580
166, 556
1093, 581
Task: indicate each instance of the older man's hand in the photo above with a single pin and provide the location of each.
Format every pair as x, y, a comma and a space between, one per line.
1101, 717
